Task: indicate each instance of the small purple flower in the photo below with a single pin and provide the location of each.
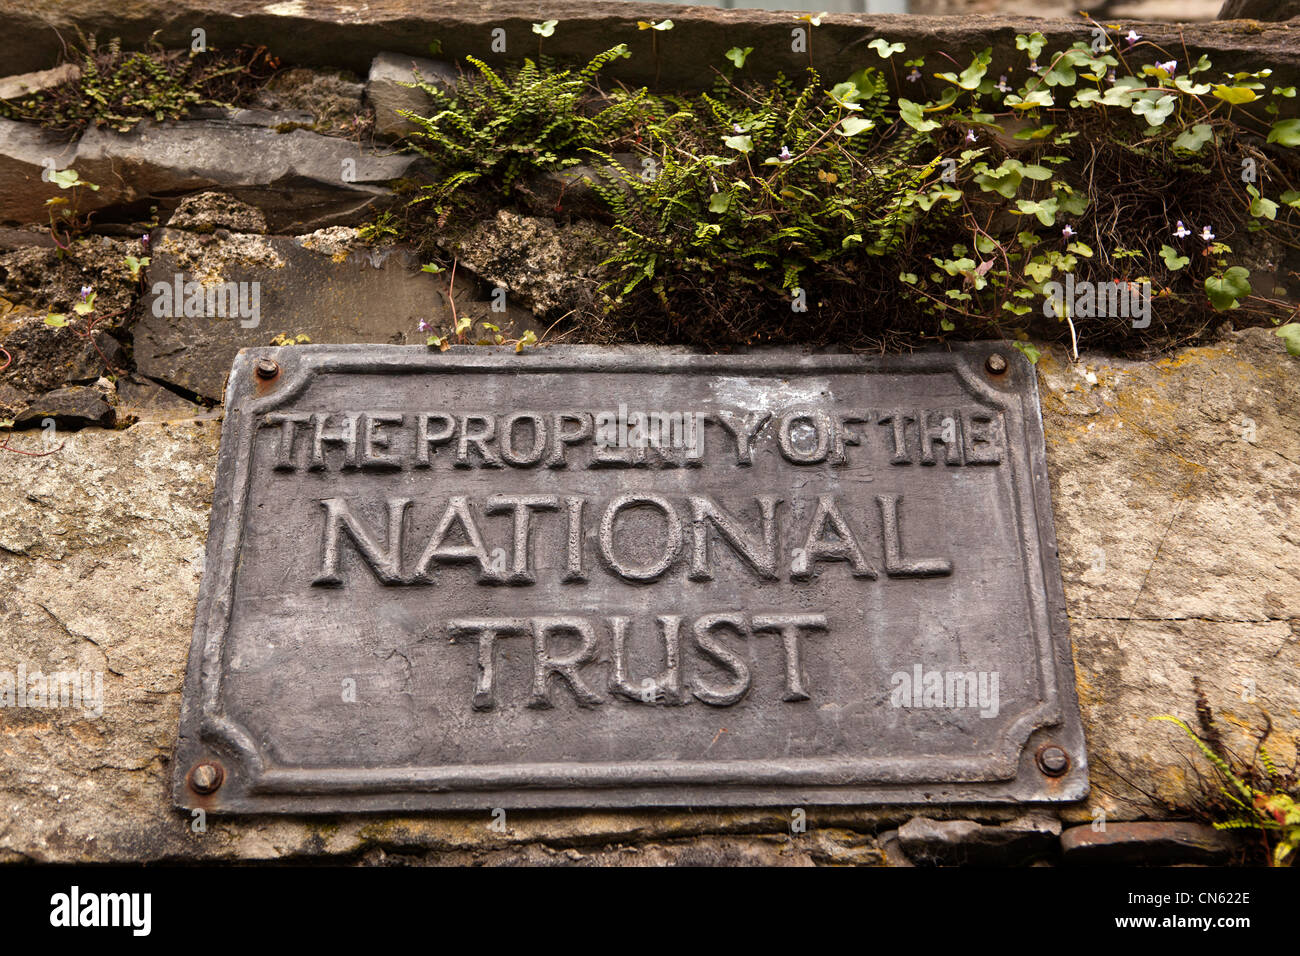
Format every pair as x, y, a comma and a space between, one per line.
1034, 67
970, 136
1206, 234
914, 75
1182, 231
424, 326
144, 239
1171, 67
1067, 232
737, 128
1110, 77
1002, 84
785, 154
86, 291
1133, 37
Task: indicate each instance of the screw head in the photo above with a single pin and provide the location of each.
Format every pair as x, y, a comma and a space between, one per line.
996, 363
1052, 760
266, 369
206, 777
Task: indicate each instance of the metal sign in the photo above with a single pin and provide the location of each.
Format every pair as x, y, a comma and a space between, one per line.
596, 577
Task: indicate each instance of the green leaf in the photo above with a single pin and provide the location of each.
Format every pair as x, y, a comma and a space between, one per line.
911, 114
1041, 132
1193, 139
852, 125
1029, 351
1286, 132
1029, 100
1260, 207
1045, 210
1226, 290
737, 55
719, 202
1290, 334
971, 76
885, 48
1032, 44
1061, 72
65, 178
546, 28
1155, 111
846, 95
1235, 94
56, 320
1173, 261
742, 143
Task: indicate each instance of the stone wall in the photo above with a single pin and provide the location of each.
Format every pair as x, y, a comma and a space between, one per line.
1173, 479
1173, 485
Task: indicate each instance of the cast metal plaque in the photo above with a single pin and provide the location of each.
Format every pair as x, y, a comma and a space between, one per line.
597, 577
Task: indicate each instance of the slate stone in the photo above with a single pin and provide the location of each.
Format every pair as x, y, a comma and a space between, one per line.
11, 239
386, 93
209, 211
318, 285
44, 358
1150, 844
350, 35
957, 842
1274, 10
300, 180
24, 147
146, 401
893, 850
25, 84
71, 407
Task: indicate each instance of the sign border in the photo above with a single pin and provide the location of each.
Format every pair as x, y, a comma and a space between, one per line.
247, 784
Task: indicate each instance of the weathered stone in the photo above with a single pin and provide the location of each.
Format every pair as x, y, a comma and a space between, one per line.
331, 97
101, 553
71, 407
323, 285
892, 850
545, 267
957, 842
27, 156
1150, 844
300, 180
350, 35
44, 358
208, 211
11, 239
1173, 484
386, 92
142, 400
13, 87
47, 279
1275, 10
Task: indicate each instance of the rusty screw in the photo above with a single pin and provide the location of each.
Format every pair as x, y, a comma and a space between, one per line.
996, 363
206, 777
1053, 761
266, 369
